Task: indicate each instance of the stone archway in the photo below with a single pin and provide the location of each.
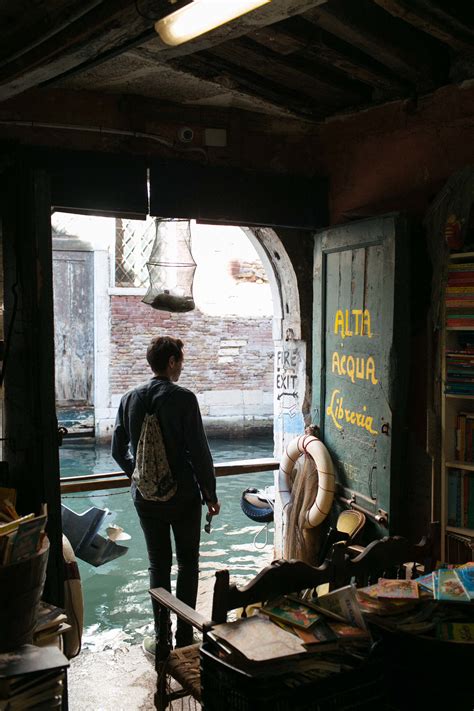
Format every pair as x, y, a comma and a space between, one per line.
290, 351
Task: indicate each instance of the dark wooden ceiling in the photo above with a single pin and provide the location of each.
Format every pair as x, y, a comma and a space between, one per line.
309, 59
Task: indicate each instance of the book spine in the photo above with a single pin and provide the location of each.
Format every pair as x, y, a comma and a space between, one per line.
466, 478
452, 488
470, 508
458, 499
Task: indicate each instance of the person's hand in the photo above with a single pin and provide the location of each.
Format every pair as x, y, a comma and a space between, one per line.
214, 508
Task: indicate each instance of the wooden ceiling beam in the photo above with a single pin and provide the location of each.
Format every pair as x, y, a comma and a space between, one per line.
109, 24
410, 55
26, 30
249, 84
310, 41
434, 20
309, 79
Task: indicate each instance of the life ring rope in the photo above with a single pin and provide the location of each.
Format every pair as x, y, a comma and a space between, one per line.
312, 447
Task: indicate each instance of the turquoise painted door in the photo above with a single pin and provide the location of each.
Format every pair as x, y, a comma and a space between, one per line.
360, 348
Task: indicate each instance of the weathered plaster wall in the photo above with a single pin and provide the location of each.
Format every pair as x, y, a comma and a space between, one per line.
228, 361
397, 156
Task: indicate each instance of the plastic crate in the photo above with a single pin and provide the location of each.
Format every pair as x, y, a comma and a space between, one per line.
224, 685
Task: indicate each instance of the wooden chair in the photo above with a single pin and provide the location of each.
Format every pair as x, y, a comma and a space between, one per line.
387, 557
182, 664
348, 525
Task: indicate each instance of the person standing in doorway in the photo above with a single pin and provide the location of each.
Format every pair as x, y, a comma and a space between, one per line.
191, 465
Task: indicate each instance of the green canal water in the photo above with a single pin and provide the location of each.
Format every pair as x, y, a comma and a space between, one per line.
117, 604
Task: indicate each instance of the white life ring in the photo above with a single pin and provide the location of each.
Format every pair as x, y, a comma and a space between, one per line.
73, 602
312, 446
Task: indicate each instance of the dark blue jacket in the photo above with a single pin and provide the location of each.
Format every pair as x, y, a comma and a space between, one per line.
185, 441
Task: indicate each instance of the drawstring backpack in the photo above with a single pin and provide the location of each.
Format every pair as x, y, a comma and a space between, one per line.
152, 473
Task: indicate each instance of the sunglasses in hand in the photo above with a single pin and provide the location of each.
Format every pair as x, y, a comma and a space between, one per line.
207, 526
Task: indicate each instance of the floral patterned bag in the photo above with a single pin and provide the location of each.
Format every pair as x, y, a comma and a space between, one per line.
152, 473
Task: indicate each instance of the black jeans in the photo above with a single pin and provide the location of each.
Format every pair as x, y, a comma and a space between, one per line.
157, 521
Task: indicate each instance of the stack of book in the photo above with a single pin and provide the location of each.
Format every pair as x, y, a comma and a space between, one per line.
460, 372
51, 624
31, 677
425, 605
290, 633
460, 498
20, 536
460, 295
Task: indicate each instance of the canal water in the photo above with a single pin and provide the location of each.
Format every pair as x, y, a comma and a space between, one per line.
117, 603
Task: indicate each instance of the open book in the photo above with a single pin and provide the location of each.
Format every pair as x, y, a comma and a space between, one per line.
259, 639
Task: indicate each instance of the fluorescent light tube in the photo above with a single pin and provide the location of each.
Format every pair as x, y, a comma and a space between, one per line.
200, 16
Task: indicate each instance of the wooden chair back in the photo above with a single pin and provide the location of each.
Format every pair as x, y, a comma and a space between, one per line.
385, 558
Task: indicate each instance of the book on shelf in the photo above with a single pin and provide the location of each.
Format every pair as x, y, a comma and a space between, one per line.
26, 666
8, 527
45, 692
49, 616
291, 611
460, 504
52, 622
27, 539
51, 636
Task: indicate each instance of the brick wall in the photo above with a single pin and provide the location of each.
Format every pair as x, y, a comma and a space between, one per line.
228, 361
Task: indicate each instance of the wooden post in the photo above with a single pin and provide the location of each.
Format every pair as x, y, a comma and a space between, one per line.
30, 415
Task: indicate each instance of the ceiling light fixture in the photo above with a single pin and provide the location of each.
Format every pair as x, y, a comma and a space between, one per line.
200, 16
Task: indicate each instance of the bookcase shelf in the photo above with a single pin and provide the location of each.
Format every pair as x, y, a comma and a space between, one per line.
457, 410
469, 466
460, 531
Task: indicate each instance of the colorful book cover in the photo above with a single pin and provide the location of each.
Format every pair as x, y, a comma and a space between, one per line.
426, 581
387, 588
291, 612
456, 631
319, 633
342, 604
27, 539
447, 586
347, 632
466, 578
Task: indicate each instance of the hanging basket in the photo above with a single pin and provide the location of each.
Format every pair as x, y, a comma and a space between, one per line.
171, 268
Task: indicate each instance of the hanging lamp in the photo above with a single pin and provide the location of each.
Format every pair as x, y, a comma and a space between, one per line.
171, 267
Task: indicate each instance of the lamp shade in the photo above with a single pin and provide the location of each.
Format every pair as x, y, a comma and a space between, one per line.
200, 16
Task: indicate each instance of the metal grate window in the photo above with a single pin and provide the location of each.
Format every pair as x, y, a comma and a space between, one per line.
133, 243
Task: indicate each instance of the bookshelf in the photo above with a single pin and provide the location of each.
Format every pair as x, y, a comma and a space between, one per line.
457, 411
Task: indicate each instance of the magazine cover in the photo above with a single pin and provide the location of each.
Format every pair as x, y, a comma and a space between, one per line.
466, 578
259, 639
291, 612
426, 582
448, 587
397, 588
456, 631
342, 605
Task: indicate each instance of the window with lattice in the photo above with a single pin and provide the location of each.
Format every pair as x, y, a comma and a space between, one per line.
133, 243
